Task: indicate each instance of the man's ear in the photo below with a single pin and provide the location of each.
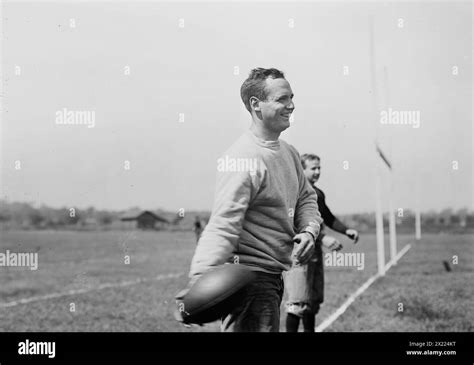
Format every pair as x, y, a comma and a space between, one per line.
255, 103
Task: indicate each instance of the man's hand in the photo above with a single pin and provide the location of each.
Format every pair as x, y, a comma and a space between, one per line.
353, 235
305, 250
331, 243
178, 315
178, 311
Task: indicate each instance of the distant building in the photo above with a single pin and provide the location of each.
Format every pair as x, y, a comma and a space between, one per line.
144, 219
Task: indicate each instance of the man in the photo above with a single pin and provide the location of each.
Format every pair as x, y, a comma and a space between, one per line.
263, 204
306, 283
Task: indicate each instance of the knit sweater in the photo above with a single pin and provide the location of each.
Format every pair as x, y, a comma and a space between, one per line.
262, 200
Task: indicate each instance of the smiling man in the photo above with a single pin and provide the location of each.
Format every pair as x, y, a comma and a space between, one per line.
259, 214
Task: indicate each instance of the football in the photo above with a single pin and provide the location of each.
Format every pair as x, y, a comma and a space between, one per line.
214, 294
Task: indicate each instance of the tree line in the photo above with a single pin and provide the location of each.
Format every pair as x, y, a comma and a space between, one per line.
20, 215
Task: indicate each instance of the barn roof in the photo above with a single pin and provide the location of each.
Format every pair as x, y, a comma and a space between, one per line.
135, 214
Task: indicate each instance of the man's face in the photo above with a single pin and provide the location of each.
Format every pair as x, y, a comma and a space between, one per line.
276, 110
312, 171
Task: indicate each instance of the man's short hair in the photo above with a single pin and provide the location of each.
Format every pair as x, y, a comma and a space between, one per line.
308, 157
255, 84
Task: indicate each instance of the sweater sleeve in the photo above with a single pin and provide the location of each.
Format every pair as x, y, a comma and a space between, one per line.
234, 191
329, 219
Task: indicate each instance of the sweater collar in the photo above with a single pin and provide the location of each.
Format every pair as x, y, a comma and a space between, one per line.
262, 142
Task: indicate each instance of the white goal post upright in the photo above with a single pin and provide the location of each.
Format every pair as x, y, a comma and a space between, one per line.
392, 226
417, 213
392, 222
379, 217
378, 178
379, 226
418, 225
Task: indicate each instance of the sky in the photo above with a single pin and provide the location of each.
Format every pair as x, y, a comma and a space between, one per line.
163, 80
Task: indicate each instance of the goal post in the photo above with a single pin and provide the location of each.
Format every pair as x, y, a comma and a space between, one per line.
417, 210
379, 214
381, 157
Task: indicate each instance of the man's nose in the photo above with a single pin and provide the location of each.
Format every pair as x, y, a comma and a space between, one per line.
291, 105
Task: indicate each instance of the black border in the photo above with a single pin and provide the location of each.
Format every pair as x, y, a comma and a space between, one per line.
380, 347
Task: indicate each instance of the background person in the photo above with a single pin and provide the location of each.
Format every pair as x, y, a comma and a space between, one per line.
305, 283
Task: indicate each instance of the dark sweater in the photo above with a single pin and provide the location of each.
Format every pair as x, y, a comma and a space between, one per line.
329, 219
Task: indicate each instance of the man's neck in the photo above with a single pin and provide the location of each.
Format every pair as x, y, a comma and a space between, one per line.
263, 133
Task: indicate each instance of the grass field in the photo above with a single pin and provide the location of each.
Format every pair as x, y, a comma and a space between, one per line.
77, 265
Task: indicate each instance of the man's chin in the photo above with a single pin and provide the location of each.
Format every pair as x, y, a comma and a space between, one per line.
285, 126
